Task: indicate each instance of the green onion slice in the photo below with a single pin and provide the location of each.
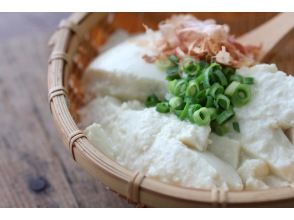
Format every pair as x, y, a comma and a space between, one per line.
225, 116
190, 66
221, 77
232, 88
216, 89
237, 78
192, 88
209, 101
201, 117
171, 86
151, 101
219, 129
172, 73
213, 113
241, 95
185, 112
200, 78
201, 97
208, 73
163, 64
222, 101
172, 70
228, 71
192, 109
176, 103
163, 107
236, 126
248, 80
172, 77
174, 59
180, 87
203, 64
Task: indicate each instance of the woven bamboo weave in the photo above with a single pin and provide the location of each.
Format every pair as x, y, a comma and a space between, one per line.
74, 45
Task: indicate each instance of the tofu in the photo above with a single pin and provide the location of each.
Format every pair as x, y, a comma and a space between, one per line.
122, 72
253, 168
252, 171
152, 143
255, 184
275, 182
262, 120
97, 135
226, 149
290, 134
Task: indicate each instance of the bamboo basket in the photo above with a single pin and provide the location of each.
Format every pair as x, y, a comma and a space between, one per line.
74, 45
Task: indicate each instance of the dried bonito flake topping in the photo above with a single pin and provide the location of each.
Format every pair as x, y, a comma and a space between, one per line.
185, 35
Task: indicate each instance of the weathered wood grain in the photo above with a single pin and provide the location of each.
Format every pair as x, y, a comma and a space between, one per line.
29, 144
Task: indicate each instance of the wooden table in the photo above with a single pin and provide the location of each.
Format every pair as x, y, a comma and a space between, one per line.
29, 145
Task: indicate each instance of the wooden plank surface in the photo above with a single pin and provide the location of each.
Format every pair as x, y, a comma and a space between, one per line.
29, 145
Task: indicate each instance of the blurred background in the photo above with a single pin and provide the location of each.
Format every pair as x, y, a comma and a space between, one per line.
35, 168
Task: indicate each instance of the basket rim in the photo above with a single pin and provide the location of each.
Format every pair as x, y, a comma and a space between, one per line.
111, 173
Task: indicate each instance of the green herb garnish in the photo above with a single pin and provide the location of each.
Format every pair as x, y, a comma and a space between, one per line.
203, 93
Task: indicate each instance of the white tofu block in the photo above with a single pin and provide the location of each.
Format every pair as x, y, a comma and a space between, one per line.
226, 149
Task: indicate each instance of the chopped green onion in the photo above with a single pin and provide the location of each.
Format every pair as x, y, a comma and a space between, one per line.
176, 103
221, 77
237, 78
222, 101
189, 99
151, 101
203, 64
206, 78
204, 93
231, 88
201, 117
171, 86
162, 107
174, 59
236, 126
201, 97
213, 113
163, 64
216, 89
190, 66
228, 71
200, 79
192, 88
225, 116
192, 109
241, 95
185, 111
172, 73
207, 75
180, 87
207, 91
172, 77
172, 70
248, 80
219, 129
178, 113
177, 87
208, 72
209, 101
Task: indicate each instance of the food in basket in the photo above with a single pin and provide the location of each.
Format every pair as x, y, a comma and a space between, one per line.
188, 105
